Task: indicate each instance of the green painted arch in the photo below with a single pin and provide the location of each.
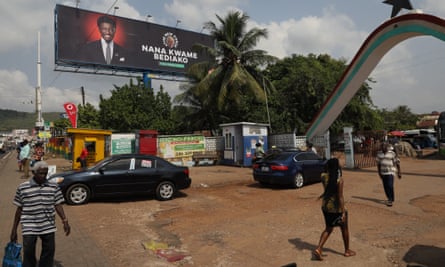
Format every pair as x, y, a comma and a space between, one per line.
379, 42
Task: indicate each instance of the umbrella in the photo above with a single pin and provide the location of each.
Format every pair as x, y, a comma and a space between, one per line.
396, 133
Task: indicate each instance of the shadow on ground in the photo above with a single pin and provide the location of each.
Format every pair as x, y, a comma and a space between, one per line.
421, 255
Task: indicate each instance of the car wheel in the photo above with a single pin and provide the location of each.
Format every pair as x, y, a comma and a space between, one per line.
165, 191
78, 194
298, 181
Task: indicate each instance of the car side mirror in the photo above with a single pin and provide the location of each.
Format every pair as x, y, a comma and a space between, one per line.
101, 170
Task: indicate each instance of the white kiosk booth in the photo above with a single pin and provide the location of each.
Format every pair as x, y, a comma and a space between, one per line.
240, 139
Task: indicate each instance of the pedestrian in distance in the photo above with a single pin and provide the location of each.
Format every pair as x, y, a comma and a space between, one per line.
83, 157
388, 164
259, 152
333, 208
25, 156
310, 147
19, 161
38, 201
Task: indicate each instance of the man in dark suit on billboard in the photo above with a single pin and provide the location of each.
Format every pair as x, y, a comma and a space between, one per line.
105, 50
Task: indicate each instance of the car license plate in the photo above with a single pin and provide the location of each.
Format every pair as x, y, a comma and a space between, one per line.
264, 169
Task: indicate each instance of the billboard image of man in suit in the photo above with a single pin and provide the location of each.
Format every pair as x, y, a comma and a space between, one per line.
105, 50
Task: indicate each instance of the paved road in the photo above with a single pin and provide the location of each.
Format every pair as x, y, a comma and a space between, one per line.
76, 250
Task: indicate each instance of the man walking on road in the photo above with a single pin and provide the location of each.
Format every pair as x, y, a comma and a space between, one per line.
388, 163
24, 156
37, 201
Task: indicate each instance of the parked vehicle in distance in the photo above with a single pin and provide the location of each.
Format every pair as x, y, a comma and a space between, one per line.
293, 168
124, 174
425, 141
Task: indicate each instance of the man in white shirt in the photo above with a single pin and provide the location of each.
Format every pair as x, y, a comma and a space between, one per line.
388, 164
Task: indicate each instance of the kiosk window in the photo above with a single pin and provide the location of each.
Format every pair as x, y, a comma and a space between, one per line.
228, 141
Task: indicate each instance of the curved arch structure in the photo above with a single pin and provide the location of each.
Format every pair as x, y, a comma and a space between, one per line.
379, 42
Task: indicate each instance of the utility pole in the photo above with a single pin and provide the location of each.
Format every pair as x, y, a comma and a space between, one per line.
267, 105
39, 121
82, 90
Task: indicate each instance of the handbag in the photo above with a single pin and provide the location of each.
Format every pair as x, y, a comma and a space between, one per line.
12, 257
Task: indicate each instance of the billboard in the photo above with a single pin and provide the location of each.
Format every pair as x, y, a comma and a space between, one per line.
85, 39
179, 146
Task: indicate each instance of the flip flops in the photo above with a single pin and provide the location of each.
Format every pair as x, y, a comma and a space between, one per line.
316, 254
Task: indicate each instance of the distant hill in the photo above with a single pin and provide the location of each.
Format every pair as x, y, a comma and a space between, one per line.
11, 119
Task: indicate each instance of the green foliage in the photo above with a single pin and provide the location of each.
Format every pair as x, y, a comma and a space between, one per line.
163, 122
303, 84
11, 119
223, 87
133, 107
61, 124
400, 118
234, 86
88, 117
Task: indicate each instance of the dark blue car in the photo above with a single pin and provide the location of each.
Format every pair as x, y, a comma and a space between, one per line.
125, 174
293, 168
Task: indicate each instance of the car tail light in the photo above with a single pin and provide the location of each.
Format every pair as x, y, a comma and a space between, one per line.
279, 167
256, 166
186, 171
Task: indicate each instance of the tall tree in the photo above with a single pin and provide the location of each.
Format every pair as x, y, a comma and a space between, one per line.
88, 117
303, 83
163, 122
134, 107
235, 74
400, 118
130, 107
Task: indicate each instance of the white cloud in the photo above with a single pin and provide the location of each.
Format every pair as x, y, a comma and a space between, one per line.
193, 14
333, 34
20, 22
335, 31
15, 91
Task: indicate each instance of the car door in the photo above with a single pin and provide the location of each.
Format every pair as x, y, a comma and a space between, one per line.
146, 175
114, 177
311, 165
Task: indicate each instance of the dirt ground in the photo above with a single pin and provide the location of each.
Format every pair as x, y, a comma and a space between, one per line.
227, 219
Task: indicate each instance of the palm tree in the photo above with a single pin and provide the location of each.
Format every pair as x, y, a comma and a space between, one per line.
223, 85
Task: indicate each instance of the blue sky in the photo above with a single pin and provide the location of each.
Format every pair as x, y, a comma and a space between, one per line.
410, 74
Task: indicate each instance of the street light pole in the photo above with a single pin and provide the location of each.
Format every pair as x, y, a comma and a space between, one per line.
82, 90
39, 121
267, 105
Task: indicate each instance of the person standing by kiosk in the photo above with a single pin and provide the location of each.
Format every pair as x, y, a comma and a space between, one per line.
83, 157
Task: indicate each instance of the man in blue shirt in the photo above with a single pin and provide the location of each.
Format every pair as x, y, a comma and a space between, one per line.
24, 156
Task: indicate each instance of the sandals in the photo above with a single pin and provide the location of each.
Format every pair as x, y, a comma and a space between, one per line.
349, 253
316, 255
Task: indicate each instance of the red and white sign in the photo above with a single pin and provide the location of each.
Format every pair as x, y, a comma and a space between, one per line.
71, 111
